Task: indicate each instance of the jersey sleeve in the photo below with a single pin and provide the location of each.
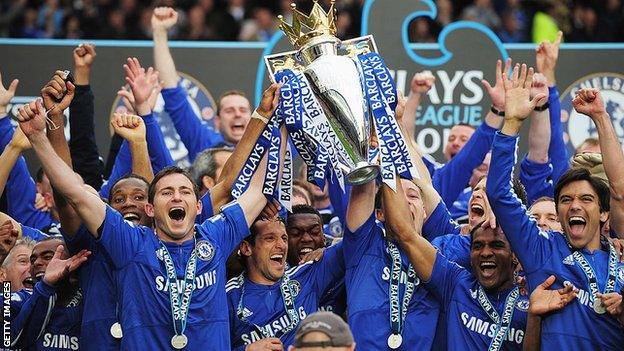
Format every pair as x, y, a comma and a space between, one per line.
439, 223
330, 269
121, 167
229, 227
339, 199
536, 178
195, 135
557, 149
121, 239
444, 279
160, 156
455, 247
527, 241
356, 243
32, 233
452, 178
33, 316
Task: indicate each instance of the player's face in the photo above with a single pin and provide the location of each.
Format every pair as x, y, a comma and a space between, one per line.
268, 255
457, 138
545, 214
41, 255
305, 234
491, 258
18, 270
478, 205
175, 206
234, 114
221, 158
414, 198
129, 197
579, 213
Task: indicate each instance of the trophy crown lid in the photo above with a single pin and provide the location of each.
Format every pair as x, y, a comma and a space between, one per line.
318, 23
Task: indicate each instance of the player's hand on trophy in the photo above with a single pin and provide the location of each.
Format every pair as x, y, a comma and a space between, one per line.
143, 83
164, 18
269, 101
58, 93
497, 92
6, 95
589, 102
32, 118
128, 126
267, 344
518, 102
546, 56
422, 82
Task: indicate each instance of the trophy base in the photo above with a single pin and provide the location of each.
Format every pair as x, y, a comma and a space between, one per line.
362, 174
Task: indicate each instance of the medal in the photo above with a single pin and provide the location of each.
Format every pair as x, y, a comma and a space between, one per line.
179, 341
116, 331
395, 341
599, 307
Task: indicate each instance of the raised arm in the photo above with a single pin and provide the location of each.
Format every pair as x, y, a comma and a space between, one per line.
590, 103
90, 208
220, 194
420, 252
18, 144
162, 20
421, 84
82, 145
132, 129
521, 232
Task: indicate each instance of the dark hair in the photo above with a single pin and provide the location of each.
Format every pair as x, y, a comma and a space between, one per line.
39, 175
228, 93
520, 191
127, 176
205, 164
303, 208
579, 174
151, 192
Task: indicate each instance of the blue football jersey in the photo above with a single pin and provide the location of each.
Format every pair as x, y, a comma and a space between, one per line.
368, 267
577, 326
468, 325
145, 306
263, 305
40, 324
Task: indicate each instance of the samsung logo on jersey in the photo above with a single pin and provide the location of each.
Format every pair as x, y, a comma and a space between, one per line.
60, 341
281, 323
385, 275
201, 281
488, 328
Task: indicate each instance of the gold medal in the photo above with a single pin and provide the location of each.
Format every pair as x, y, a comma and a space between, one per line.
395, 341
179, 341
116, 331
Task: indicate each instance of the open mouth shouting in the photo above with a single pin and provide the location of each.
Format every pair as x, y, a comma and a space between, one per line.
304, 251
28, 283
132, 217
488, 269
177, 214
476, 210
577, 226
278, 260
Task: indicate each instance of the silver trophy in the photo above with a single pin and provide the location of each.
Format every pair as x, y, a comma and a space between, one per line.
333, 75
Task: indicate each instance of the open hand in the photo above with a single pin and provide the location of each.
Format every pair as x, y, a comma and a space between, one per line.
546, 56
543, 300
59, 268
497, 92
518, 102
6, 94
143, 83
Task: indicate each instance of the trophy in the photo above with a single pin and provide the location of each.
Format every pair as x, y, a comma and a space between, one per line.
332, 73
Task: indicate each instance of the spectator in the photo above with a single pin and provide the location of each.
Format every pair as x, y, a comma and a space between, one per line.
260, 27
481, 11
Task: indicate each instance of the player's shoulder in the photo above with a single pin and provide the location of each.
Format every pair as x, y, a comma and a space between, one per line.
233, 285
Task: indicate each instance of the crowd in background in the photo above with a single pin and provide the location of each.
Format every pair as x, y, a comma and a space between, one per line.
514, 21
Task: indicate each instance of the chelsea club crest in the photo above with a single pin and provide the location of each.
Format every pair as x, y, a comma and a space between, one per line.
522, 305
205, 250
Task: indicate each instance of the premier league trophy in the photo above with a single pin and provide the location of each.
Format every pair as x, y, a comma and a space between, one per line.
334, 79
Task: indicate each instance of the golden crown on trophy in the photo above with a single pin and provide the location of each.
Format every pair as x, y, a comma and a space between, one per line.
319, 23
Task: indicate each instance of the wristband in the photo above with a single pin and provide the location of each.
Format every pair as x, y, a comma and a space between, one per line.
260, 117
543, 107
497, 112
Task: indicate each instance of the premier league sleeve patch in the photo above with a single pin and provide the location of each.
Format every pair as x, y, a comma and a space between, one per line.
205, 250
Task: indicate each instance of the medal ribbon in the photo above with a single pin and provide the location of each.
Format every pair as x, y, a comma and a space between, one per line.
502, 323
271, 177
398, 312
180, 300
288, 297
590, 274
